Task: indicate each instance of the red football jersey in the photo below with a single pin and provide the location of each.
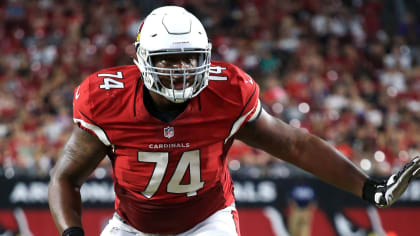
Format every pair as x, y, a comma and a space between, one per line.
168, 176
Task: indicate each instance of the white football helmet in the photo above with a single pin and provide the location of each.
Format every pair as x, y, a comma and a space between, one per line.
173, 30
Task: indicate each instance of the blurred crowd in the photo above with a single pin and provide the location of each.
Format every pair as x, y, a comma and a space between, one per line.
347, 71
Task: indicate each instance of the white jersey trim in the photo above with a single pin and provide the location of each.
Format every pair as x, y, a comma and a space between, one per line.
256, 113
238, 123
95, 129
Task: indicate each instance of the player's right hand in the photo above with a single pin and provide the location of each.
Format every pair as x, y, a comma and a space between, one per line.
385, 193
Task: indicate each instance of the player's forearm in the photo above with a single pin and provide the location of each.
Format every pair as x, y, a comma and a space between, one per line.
303, 150
65, 204
324, 161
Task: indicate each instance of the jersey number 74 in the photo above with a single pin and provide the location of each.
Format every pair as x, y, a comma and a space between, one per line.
189, 160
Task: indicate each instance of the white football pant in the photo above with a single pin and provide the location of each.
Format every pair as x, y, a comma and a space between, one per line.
221, 223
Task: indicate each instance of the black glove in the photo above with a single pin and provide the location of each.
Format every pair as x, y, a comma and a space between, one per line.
385, 193
73, 231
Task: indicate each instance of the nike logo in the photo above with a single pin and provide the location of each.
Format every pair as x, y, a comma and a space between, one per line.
77, 93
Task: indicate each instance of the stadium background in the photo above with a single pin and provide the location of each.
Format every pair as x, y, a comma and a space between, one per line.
345, 70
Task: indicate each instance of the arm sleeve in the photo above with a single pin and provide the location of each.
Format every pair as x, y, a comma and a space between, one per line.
83, 115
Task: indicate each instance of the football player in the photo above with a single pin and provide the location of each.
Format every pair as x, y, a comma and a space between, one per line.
167, 124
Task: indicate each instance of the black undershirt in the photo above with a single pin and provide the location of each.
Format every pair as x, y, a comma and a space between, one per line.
165, 116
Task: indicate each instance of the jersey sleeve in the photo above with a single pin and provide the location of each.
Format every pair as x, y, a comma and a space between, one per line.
82, 112
251, 105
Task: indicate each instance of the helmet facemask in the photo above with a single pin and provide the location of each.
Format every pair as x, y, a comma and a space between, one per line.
197, 77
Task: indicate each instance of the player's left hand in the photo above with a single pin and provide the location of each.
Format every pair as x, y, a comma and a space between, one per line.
384, 194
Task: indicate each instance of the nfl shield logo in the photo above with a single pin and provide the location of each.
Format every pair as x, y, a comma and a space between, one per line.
168, 132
